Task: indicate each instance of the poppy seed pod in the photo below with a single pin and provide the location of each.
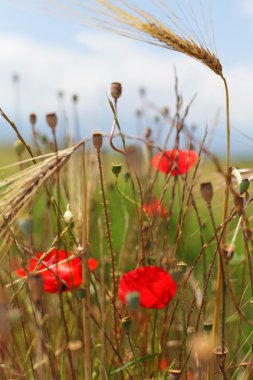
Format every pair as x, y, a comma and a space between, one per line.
221, 354
207, 192
244, 186
174, 374
126, 323
51, 120
97, 140
75, 98
116, 90
182, 266
208, 326
133, 300
116, 168
33, 118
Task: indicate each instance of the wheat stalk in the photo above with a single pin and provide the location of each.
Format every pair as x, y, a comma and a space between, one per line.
18, 190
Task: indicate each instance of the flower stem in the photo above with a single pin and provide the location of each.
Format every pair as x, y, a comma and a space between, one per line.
224, 217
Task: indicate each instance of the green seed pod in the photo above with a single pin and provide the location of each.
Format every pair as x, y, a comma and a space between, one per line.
25, 225
126, 323
208, 326
116, 168
133, 300
244, 185
182, 266
19, 147
81, 293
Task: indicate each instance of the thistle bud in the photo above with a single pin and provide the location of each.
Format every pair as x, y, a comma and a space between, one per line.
51, 120
97, 139
133, 300
126, 323
35, 283
116, 90
19, 147
116, 168
244, 185
207, 192
33, 118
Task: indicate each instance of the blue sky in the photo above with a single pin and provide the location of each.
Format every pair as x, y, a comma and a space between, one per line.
53, 50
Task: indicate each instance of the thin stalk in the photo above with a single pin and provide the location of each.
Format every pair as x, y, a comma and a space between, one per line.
109, 239
153, 341
134, 355
224, 217
86, 280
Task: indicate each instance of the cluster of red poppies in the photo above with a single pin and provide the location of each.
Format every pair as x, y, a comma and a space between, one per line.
62, 271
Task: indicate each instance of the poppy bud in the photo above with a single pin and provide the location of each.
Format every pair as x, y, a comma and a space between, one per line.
150, 259
148, 133
51, 120
116, 168
207, 192
97, 140
239, 204
221, 354
75, 98
116, 90
244, 185
81, 293
133, 300
208, 326
126, 323
19, 147
228, 251
35, 283
68, 216
165, 112
25, 225
33, 118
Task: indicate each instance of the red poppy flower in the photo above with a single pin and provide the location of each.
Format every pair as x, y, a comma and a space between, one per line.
64, 276
155, 286
154, 207
175, 161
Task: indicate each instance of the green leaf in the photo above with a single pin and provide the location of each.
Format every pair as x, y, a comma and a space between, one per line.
133, 362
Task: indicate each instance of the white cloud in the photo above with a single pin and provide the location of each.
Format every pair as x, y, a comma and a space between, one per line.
246, 6
97, 59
